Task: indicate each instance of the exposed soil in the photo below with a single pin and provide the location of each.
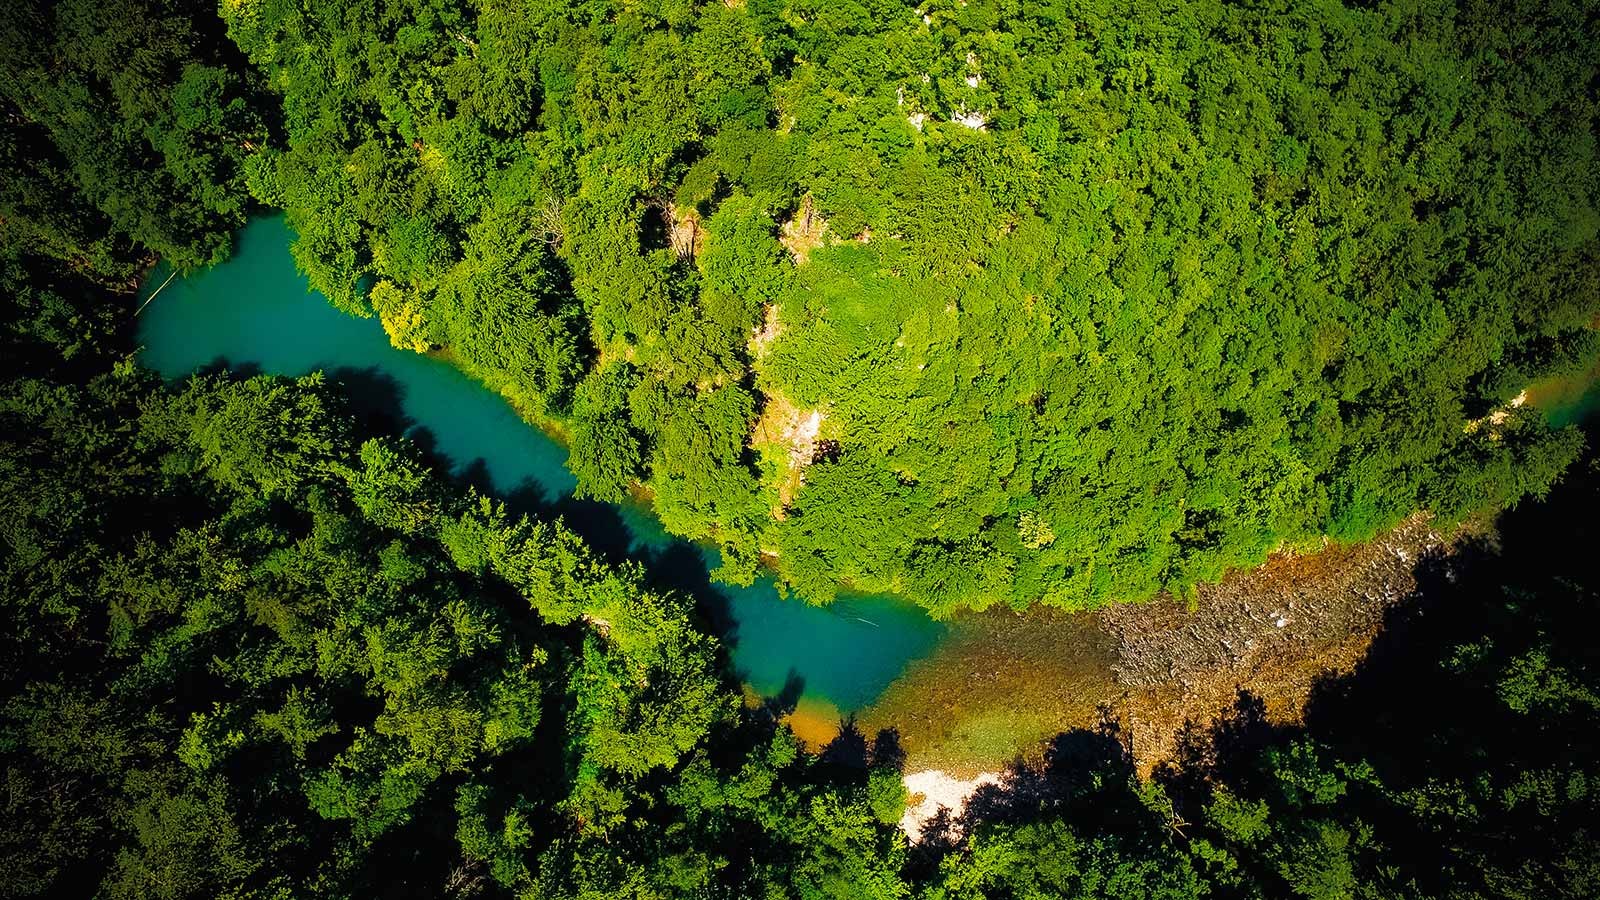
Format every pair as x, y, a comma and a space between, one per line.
792, 433
805, 232
1498, 417
684, 233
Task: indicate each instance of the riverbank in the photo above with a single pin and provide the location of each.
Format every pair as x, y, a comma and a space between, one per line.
1002, 684
255, 314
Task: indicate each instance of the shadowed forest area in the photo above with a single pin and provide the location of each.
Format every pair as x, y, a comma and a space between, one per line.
987, 304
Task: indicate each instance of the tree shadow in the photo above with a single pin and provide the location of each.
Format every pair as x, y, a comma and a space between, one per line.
940, 836
681, 566
787, 698
1075, 766
851, 752
373, 397
219, 365
1084, 776
848, 750
1224, 751
1428, 700
886, 751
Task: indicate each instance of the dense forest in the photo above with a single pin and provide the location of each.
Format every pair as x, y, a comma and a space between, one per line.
251, 650
972, 302
978, 302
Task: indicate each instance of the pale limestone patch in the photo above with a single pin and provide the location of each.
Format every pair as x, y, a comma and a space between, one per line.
762, 336
931, 790
805, 232
791, 431
1498, 417
973, 119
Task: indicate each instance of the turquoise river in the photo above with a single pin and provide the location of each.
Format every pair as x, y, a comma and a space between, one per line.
256, 313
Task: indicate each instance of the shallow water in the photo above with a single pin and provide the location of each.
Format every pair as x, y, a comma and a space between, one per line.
255, 313
1573, 400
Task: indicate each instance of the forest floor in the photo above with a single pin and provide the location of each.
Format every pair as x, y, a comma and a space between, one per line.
1003, 684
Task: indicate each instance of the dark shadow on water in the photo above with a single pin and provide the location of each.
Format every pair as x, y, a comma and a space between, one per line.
600, 525
886, 751
220, 366
787, 698
377, 401
375, 398
848, 750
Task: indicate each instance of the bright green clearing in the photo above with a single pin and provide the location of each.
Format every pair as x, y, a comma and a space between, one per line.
256, 313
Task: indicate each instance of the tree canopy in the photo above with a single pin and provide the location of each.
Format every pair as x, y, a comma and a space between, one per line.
251, 650
977, 301
1090, 299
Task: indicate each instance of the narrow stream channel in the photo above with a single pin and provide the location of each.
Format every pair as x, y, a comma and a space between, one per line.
256, 313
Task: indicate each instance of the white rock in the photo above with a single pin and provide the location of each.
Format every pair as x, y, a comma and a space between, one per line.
939, 791
971, 119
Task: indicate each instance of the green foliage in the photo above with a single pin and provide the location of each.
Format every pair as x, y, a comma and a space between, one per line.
144, 103
1098, 298
248, 653
1049, 860
392, 490
351, 636
1188, 296
606, 452
1116, 320
501, 313
1119, 297
886, 794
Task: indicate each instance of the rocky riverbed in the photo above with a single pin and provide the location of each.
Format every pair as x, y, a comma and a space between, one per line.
1002, 684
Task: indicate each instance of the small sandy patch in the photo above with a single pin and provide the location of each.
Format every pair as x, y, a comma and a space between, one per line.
805, 232
933, 790
815, 722
792, 431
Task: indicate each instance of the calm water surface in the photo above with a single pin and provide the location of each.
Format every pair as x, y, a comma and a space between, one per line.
256, 313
